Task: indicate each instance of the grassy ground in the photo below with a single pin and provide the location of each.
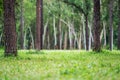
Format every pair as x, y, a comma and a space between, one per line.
61, 65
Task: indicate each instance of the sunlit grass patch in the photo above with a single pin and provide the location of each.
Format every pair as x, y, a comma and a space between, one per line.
60, 65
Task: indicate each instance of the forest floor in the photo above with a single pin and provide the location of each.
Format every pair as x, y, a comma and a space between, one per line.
60, 65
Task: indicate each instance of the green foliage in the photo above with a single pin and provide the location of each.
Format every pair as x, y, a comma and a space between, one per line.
60, 65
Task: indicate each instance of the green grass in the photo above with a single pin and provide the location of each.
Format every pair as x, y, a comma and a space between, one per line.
61, 65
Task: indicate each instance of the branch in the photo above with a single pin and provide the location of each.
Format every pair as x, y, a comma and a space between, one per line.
76, 6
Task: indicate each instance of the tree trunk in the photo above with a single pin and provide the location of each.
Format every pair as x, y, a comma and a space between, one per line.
10, 28
79, 40
44, 34
55, 36
65, 40
32, 39
39, 24
104, 32
70, 36
111, 23
21, 27
90, 37
97, 27
83, 30
119, 26
86, 32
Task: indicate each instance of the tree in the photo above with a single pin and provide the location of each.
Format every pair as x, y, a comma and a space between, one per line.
39, 24
111, 23
85, 11
21, 26
10, 28
97, 27
119, 25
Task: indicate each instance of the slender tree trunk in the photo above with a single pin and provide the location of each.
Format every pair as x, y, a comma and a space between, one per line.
1, 38
65, 40
86, 32
60, 36
111, 23
21, 27
44, 34
70, 36
97, 27
47, 39
39, 25
55, 34
32, 39
90, 37
119, 26
83, 30
10, 28
104, 32
79, 41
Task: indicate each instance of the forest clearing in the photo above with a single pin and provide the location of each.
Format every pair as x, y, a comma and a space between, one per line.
61, 65
59, 39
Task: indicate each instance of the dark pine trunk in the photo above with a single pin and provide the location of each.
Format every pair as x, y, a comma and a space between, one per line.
119, 26
10, 28
97, 45
39, 24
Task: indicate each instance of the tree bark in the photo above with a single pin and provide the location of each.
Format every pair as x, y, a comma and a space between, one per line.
10, 28
97, 27
111, 23
39, 24
21, 27
119, 25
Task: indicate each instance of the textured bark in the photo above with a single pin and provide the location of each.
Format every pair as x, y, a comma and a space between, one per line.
97, 45
21, 27
39, 25
119, 25
10, 28
111, 23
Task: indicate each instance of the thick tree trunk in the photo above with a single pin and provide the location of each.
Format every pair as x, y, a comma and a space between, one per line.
119, 26
10, 28
39, 25
97, 27
111, 23
21, 27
